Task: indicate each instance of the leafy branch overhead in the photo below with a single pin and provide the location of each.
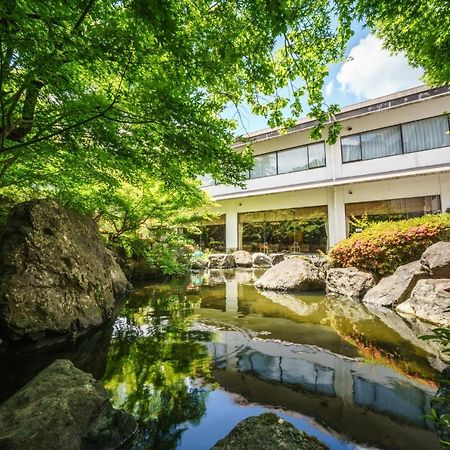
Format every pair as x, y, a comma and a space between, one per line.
112, 92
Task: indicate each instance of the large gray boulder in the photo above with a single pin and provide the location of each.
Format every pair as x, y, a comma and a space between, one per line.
267, 432
221, 261
436, 260
63, 408
261, 260
349, 282
429, 301
396, 288
293, 274
56, 275
199, 263
243, 258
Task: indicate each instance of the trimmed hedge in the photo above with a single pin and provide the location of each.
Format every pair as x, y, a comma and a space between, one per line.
384, 246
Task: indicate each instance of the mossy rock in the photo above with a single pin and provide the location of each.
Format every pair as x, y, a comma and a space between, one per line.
267, 432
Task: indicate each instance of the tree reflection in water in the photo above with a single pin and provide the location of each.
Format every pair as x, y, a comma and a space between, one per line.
153, 364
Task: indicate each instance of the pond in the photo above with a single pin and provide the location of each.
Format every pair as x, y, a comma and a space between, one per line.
192, 357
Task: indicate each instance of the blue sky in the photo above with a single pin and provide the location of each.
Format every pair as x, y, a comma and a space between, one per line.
369, 72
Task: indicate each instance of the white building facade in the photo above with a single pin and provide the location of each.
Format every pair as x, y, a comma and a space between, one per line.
392, 160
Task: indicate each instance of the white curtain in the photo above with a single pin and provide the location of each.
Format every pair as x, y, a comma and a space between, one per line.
381, 143
293, 160
425, 134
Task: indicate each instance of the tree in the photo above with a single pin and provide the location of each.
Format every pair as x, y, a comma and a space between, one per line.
135, 88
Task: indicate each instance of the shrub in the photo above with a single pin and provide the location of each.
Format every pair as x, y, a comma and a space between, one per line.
383, 246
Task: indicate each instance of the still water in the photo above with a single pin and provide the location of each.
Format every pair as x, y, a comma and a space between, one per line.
192, 358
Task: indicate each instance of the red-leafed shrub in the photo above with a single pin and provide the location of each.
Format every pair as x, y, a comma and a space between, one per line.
384, 246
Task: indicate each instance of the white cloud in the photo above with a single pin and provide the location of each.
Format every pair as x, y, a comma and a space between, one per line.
372, 72
329, 88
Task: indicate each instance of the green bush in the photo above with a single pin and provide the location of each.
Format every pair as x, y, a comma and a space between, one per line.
383, 246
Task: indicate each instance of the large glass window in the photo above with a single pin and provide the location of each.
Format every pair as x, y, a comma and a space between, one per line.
425, 134
316, 155
381, 143
293, 160
264, 165
351, 148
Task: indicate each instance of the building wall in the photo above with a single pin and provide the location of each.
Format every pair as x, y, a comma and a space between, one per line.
400, 176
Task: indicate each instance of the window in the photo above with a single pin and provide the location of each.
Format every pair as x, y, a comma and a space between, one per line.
409, 137
264, 165
351, 148
293, 160
316, 155
381, 143
425, 134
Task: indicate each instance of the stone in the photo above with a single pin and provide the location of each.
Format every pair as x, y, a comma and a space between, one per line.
295, 304
436, 260
267, 432
243, 258
396, 288
261, 260
429, 301
63, 408
293, 274
56, 276
199, 264
277, 258
221, 261
348, 282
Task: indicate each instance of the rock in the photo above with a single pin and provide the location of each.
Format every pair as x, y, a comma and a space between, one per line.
436, 260
56, 275
276, 258
429, 302
63, 408
243, 258
261, 260
396, 288
441, 404
293, 274
267, 432
199, 264
349, 282
221, 261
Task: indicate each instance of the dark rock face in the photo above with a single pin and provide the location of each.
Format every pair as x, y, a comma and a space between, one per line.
436, 260
277, 258
267, 432
62, 408
293, 274
396, 288
349, 282
199, 264
56, 276
243, 258
429, 301
221, 261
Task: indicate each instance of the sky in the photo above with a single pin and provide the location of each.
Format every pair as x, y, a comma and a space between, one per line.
369, 72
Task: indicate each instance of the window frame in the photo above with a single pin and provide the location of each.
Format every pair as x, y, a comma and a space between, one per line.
400, 125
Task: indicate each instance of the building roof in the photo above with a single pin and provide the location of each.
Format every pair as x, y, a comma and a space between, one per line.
408, 96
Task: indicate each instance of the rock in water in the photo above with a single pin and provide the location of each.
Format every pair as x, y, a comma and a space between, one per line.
63, 408
429, 301
56, 275
243, 258
293, 274
349, 282
396, 288
261, 260
436, 260
268, 432
221, 261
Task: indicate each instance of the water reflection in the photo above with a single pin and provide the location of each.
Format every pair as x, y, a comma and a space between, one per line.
363, 373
